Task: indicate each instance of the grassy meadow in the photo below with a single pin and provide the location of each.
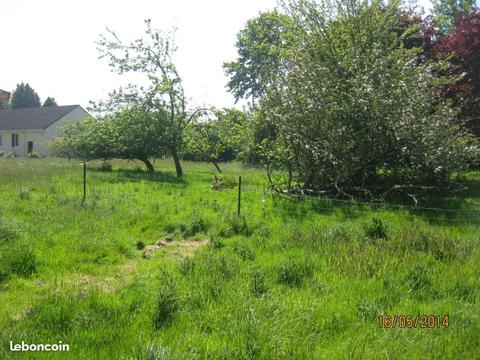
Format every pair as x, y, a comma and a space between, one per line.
289, 279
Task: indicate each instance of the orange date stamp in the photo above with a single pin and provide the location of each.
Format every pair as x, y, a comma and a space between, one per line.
413, 321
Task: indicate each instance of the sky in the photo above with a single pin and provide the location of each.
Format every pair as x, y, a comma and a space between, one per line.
51, 44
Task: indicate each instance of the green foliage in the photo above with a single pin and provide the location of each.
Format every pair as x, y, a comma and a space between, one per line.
216, 243
218, 139
261, 46
162, 101
447, 12
24, 97
349, 108
133, 133
49, 101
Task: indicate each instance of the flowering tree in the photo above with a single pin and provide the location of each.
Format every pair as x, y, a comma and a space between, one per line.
354, 111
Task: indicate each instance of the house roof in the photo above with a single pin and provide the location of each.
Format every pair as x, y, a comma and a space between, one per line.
32, 118
4, 95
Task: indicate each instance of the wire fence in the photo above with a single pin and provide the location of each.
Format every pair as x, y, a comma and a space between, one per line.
242, 200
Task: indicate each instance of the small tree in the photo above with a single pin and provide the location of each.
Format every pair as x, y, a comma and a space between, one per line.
127, 134
49, 102
152, 57
217, 139
261, 52
86, 140
24, 97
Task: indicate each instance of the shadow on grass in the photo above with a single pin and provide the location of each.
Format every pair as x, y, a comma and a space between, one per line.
439, 208
139, 175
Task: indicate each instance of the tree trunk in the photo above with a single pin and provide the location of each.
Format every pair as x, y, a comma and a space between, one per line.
178, 166
218, 167
148, 164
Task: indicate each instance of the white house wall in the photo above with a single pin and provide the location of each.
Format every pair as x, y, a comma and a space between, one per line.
55, 130
40, 138
24, 136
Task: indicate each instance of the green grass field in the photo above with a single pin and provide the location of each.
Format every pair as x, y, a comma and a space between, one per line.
289, 279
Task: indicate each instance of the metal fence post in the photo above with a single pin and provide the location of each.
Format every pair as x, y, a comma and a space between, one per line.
84, 181
239, 194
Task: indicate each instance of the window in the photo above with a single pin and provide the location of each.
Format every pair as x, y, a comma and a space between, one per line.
15, 142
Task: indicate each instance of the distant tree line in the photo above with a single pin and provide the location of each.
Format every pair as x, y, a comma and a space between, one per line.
24, 96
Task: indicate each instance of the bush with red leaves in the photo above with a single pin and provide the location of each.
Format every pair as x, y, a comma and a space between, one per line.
463, 45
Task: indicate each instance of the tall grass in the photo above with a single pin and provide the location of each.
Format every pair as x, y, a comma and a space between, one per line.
288, 279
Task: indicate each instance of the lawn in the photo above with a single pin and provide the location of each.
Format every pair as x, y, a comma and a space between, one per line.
289, 279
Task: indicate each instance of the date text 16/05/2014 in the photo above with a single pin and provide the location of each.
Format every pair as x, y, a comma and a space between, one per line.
413, 321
